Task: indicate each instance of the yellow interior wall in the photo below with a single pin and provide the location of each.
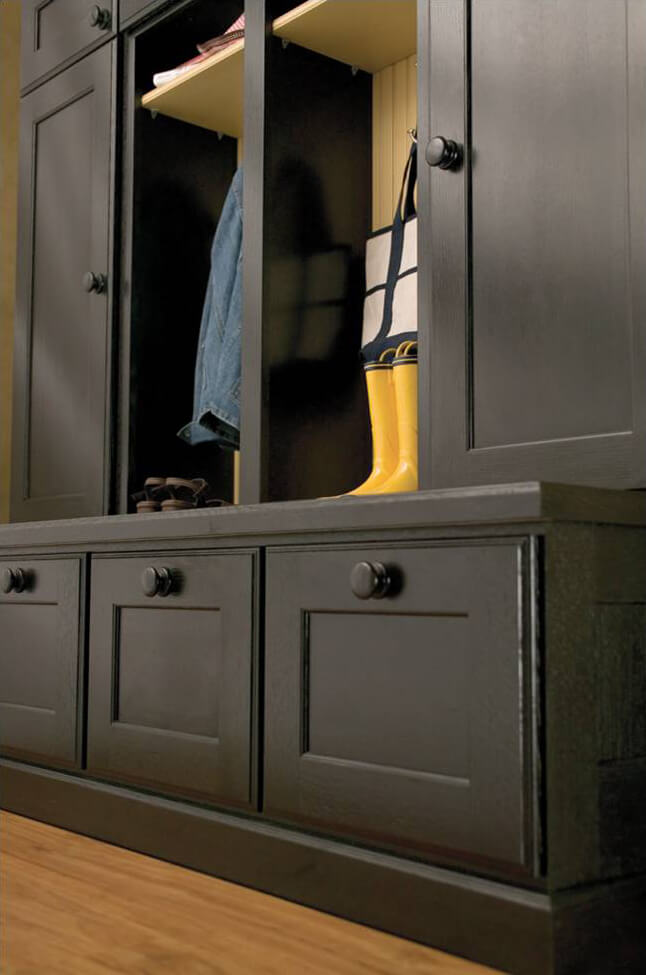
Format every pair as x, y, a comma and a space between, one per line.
394, 111
9, 107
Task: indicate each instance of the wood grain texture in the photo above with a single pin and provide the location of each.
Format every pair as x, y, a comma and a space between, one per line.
75, 906
9, 106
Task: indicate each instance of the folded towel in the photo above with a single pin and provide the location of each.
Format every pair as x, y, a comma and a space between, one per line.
207, 50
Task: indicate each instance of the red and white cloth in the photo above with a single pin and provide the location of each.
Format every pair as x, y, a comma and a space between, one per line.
207, 50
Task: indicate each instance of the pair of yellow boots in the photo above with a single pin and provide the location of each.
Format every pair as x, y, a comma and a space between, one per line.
392, 399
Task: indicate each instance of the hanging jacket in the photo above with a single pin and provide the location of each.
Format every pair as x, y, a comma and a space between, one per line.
216, 399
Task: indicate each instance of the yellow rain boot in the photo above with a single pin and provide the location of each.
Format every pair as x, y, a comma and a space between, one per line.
383, 422
405, 476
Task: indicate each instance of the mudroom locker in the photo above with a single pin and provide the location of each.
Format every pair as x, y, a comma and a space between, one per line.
438, 694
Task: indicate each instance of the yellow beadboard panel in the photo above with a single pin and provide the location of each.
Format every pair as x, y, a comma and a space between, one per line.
394, 111
9, 109
210, 95
367, 34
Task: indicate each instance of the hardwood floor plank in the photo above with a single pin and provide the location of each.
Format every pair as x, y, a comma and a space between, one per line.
74, 906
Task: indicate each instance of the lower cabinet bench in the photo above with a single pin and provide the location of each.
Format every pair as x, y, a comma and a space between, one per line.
431, 722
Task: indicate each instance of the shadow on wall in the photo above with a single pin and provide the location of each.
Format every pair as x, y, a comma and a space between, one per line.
9, 107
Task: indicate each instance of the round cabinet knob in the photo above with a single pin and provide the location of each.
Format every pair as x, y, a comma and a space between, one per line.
94, 282
100, 17
444, 153
156, 582
13, 580
370, 580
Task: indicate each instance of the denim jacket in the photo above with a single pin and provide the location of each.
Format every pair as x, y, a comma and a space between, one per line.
216, 399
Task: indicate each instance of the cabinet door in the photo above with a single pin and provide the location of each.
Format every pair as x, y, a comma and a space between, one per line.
170, 675
61, 435
40, 668
538, 243
403, 721
55, 31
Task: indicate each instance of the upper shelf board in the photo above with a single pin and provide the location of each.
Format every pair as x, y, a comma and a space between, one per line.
210, 95
367, 34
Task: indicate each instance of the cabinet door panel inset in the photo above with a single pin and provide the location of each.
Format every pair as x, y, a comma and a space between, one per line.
406, 720
361, 718
170, 677
538, 243
149, 662
61, 344
40, 663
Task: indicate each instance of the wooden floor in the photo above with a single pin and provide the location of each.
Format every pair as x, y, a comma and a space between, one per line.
72, 905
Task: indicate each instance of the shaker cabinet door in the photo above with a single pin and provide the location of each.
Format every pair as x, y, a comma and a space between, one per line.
55, 31
538, 243
403, 721
41, 674
61, 428
170, 673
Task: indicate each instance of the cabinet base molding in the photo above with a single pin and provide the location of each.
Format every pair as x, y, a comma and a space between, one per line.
595, 930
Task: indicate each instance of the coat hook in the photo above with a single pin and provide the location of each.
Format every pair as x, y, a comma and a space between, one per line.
413, 134
285, 43
355, 70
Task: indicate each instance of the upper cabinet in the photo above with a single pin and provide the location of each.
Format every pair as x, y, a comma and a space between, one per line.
536, 245
531, 241
56, 31
61, 358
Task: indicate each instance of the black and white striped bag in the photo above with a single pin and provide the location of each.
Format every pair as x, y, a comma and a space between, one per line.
390, 306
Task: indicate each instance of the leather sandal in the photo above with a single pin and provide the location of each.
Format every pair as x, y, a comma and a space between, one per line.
180, 494
145, 500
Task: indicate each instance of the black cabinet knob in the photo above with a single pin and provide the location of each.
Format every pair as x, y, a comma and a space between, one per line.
94, 282
444, 153
156, 582
370, 580
100, 17
13, 580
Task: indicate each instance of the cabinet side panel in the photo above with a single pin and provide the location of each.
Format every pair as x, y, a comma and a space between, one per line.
9, 109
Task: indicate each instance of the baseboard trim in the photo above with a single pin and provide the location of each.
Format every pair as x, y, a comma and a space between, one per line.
509, 928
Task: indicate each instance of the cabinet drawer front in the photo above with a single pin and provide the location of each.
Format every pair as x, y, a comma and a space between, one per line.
54, 31
170, 675
404, 719
40, 666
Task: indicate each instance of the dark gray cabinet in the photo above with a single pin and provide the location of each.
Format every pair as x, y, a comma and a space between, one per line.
170, 675
538, 347
62, 336
40, 659
404, 720
55, 31
129, 10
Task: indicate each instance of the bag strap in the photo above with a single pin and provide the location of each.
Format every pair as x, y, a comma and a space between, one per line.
407, 197
409, 182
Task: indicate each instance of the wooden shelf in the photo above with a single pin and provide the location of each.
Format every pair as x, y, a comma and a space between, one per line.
368, 34
211, 95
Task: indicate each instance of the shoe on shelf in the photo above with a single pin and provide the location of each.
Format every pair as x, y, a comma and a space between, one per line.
145, 499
